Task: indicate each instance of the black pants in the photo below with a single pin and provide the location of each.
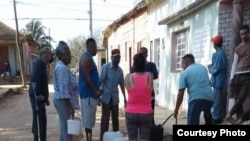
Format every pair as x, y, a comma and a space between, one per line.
153, 107
41, 114
106, 110
241, 89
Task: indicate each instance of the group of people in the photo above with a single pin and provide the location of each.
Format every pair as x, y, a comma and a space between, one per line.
70, 94
206, 94
84, 94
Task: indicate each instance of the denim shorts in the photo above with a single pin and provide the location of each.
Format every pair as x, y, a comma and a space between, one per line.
143, 122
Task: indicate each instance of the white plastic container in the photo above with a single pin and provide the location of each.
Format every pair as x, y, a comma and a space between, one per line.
74, 126
120, 139
111, 135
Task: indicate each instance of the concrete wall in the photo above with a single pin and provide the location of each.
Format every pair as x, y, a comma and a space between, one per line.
127, 36
202, 25
157, 37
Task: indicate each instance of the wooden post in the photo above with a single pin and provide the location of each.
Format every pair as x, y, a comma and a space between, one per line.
18, 47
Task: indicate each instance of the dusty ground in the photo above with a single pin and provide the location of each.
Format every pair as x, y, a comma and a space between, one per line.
16, 119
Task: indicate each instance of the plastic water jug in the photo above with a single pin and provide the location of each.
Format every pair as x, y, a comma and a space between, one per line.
111, 135
74, 126
120, 139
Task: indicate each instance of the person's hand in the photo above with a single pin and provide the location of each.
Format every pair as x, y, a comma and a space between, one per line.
40, 98
125, 103
47, 102
99, 103
175, 113
98, 93
72, 112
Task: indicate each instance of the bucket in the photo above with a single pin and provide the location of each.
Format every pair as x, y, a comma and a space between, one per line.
74, 126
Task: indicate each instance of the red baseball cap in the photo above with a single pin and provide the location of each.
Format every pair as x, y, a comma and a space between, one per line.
217, 39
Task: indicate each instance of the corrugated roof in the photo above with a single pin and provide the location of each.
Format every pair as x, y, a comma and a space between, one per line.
6, 32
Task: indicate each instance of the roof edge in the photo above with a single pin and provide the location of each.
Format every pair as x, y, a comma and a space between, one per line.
124, 18
184, 12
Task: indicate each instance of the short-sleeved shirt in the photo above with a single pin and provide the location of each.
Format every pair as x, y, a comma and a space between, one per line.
110, 78
195, 78
65, 84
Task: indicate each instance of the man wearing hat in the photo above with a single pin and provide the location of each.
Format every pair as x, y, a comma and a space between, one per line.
111, 76
218, 71
39, 93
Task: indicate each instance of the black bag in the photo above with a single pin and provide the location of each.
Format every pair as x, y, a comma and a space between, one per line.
156, 133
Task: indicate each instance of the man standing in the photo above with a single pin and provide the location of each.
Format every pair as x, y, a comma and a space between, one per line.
39, 94
218, 71
89, 87
111, 76
195, 79
149, 67
240, 74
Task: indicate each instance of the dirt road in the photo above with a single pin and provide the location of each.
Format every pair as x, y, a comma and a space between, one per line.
16, 119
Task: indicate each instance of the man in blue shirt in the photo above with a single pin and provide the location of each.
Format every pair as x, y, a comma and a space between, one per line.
218, 71
111, 76
89, 87
195, 79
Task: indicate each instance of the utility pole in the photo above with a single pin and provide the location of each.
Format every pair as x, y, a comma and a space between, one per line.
18, 47
90, 18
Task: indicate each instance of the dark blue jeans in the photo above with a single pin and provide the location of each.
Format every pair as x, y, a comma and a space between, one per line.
195, 108
41, 115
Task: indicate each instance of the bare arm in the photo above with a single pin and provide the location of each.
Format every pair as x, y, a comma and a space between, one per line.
86, 67
122, 83
178, 101
124, 95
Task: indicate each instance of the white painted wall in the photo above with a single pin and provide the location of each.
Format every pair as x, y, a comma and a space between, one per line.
157, 38
206, 17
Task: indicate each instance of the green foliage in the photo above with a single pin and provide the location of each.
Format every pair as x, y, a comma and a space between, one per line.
77, 46
36, 30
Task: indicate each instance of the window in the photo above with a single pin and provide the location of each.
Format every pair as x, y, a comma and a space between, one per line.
179, 49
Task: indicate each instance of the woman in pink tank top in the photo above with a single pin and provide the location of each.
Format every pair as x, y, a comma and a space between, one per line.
139, 112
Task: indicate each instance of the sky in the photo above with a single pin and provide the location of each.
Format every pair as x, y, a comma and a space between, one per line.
65, 19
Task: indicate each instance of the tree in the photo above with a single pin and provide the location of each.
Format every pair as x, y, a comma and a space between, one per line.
36, 30
78, 44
